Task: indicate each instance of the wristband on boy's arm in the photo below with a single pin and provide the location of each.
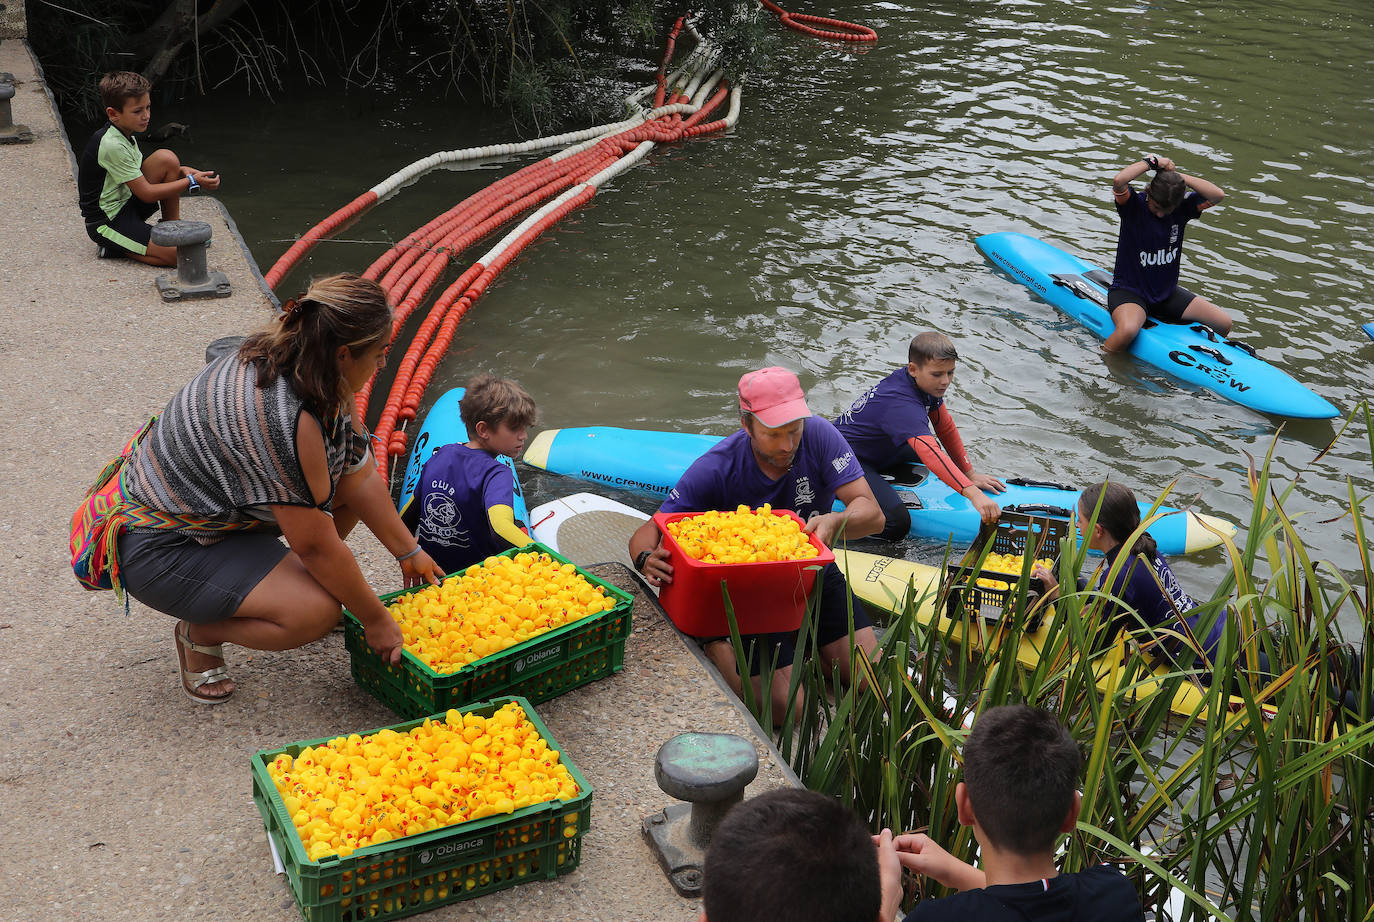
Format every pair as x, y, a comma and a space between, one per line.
191, 184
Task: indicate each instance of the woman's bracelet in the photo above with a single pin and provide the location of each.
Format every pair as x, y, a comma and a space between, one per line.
408, 555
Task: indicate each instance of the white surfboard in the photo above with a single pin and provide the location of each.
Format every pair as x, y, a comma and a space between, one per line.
586, 528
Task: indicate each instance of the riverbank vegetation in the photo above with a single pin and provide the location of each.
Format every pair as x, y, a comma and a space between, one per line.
546, 62
1256, 806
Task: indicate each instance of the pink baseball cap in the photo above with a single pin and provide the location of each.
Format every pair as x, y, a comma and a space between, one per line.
774, 396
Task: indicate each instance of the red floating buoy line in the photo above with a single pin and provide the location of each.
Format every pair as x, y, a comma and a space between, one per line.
544, 192
831, 30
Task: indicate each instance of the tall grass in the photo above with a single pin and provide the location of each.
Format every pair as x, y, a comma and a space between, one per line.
1256, 803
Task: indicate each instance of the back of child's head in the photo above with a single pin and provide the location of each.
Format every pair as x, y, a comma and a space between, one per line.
492, 400
1167, 189
791, 854
1021, 774
1119, 514
118, 87
931, 347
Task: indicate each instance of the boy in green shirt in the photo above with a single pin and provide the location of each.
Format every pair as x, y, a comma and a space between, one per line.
119, 189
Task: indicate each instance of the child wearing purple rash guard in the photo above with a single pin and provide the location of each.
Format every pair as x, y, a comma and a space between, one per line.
1149, 249
1138, 583
463, 508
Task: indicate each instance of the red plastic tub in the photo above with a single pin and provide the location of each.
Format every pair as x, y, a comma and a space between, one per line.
766, 597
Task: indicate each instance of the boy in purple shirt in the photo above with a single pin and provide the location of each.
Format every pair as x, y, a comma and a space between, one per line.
790, 459
903, 419
463, 508
1149, 250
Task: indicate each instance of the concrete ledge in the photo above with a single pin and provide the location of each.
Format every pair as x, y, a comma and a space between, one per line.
126, 801
12, 22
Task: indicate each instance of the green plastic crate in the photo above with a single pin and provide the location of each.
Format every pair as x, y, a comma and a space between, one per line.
418, 873
540, 668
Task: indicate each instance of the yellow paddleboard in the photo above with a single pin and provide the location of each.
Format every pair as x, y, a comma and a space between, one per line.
886, 582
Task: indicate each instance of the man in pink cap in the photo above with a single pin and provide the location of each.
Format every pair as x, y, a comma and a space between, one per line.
790, 459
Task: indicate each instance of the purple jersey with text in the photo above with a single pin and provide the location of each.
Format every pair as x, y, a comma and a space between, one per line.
889, 413
1137, 588
729, 475
1149, 249
457, 486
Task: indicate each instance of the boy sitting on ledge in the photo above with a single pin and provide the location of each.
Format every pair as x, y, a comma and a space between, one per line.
119, 189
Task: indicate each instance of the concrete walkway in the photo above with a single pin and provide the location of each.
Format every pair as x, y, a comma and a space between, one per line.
121, 799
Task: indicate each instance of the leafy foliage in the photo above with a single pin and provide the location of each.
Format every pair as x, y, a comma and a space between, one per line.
1254, 803
546, 61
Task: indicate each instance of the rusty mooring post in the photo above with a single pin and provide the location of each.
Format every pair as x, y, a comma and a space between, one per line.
192, 279
710, 772
10, 133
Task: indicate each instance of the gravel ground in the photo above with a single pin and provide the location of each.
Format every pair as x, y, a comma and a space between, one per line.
135, 802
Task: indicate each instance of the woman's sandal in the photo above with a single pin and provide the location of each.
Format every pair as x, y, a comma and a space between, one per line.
191, 682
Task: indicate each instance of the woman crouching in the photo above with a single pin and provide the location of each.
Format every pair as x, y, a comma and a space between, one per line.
260, 445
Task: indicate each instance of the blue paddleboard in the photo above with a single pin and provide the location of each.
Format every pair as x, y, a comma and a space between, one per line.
645, 461
443, 425
1368, 330
1191, 352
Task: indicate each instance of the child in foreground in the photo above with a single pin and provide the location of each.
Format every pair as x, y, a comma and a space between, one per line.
1019, 793
796, 855
119, 189
463, 510
903, 419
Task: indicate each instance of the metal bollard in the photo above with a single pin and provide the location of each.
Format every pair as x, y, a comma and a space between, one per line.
10, 133
192, 279
710, 772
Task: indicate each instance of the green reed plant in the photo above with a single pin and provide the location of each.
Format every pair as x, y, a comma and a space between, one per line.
1254, 802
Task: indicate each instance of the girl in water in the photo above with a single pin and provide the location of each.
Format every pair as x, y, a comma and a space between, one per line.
1148, 588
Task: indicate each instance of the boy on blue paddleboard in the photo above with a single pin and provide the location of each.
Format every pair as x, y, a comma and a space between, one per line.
903, 419
1149, 249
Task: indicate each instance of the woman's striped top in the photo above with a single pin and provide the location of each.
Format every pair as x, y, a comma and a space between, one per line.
224, 449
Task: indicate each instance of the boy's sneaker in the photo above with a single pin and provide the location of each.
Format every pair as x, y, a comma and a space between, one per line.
104, 252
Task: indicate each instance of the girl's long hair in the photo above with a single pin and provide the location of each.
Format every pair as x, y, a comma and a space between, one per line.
1119, 515
302, 345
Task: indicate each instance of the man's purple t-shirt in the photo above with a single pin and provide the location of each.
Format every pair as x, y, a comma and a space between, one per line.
1149, 249
729, 475
457, 486
889, 413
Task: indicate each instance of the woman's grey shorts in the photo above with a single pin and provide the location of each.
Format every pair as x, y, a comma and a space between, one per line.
199, 583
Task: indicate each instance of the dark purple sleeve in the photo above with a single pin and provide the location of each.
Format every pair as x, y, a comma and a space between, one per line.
699, 487
841, 464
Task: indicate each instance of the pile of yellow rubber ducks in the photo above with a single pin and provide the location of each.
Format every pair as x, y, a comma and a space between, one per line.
1010, 564
356, 791
743, 536
493, 605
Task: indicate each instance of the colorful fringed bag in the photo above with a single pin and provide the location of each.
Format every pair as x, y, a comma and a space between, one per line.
92, 538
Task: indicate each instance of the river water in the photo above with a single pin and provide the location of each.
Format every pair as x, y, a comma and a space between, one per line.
838, 219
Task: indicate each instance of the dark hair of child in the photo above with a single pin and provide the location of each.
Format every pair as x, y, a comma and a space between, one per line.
1119, 515
931, 347
1021, 772
117, 87
492, 400
1167, 189
791, 854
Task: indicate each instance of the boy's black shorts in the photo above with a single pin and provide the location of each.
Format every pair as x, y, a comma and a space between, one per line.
129, 231
834, 624
1170, 310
